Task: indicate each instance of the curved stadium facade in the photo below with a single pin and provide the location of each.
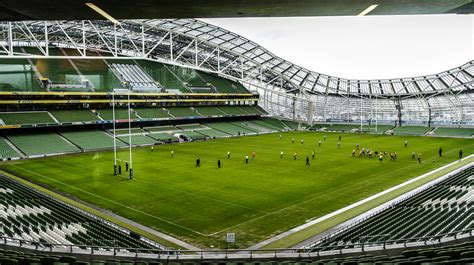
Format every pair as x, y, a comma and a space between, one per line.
286, 90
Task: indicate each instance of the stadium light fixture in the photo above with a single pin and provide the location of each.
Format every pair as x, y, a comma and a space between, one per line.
367, 10
103, 13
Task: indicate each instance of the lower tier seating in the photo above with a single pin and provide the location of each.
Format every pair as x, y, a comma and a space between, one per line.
6, 150
411, 130
137, 139
454, 132
443, 208
30, 215
379, 129
42, 143
93, 139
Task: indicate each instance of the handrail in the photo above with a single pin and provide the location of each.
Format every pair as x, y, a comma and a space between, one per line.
182, 253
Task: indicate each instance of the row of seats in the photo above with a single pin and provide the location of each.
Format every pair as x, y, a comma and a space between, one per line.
403, 130
71, 116
75, 141
454, 132
411, 130
444, 208
135, 77
27, 214
187, 80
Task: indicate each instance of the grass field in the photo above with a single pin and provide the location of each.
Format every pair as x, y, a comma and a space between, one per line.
256, 200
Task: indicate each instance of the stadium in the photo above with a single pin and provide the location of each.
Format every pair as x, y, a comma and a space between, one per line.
176, 141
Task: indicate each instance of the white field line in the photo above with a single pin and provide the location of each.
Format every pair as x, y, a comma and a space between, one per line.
182, 191
112, 201
314, 198
330, 215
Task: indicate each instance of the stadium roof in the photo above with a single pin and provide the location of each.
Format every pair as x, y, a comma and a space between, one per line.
196, 44
140, 9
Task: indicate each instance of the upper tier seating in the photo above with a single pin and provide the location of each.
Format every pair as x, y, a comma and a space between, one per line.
74, 115
120, 114
443, 208
52, 117
13, 118
209, 111
151, 113
30, 215
135, 77
42, 143
182, 112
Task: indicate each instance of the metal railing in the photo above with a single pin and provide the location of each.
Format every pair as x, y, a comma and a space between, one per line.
233, 253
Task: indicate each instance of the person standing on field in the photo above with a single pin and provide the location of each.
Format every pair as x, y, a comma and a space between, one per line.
313, 154
228, 154
440, 152
218, 163
319, 143
406, 143
281, 154
198, 162
246, 159
460, 154
120, 170
126, 166
307, 161
172, 153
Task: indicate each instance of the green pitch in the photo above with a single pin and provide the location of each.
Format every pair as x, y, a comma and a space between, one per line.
267, 196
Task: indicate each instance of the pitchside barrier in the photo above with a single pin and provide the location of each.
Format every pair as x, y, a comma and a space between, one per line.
92, 252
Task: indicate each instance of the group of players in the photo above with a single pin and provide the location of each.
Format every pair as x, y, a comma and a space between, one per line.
362, 153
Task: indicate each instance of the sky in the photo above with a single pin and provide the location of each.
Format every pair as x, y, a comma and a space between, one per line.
369, 47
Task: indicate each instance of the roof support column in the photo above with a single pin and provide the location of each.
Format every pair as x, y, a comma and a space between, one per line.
46, 39
171, 46
398, 106
84, 39
143, 41
10, 39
